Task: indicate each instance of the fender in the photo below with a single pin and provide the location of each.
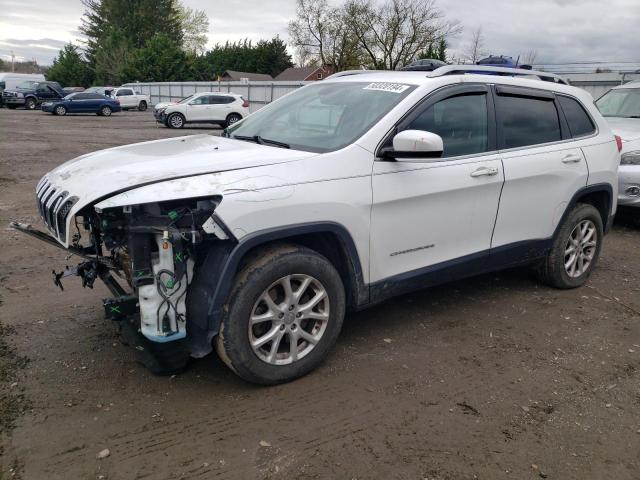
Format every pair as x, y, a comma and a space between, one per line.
209, 292
607, 221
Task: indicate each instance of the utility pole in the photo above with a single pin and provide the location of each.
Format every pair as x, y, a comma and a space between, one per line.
13, 62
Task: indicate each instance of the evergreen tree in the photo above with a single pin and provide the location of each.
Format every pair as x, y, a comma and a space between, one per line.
159, 60
69, 68
442, 50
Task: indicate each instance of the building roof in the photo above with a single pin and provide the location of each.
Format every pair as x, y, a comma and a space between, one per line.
296, 73
233, 75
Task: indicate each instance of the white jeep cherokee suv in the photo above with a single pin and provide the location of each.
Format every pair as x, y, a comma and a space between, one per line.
339, 195
219, 108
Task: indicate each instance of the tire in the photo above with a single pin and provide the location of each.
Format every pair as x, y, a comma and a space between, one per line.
60, 110
232, 118
562, 268
105, 111
142, 106
175, 120
265, 274
30, 104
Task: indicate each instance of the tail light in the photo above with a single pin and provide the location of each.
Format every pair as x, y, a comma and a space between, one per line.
245, 103
619, 143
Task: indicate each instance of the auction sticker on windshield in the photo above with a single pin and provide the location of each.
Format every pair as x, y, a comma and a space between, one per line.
387, 87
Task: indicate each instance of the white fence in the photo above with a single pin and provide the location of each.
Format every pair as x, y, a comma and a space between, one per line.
258, 93
261, 93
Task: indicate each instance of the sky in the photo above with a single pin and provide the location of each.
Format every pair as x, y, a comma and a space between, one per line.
558, 30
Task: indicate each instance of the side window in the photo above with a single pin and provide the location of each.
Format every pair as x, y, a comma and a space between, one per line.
579, 122
527, 121
82, 96
203, 100
124, 92
216, 100
42, 88
94, 96
461, 121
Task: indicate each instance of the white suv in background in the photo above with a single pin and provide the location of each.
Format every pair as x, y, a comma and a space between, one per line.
219, 108
129, 98
621, 107
337, 196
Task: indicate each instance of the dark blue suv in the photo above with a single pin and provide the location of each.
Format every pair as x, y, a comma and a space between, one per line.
83, 102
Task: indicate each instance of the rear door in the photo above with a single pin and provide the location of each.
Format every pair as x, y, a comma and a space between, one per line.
220, 107
426, 214
543, 167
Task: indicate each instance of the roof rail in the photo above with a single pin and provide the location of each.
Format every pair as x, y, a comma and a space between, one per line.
503, 71
346, 73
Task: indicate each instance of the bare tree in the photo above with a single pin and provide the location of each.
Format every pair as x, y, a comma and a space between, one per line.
195, 26
530, 57
475, 48
320, 34
391, 34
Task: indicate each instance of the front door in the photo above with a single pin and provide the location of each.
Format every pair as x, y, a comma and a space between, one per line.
427, 214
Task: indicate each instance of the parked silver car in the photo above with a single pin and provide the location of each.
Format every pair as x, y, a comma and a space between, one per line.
621, 107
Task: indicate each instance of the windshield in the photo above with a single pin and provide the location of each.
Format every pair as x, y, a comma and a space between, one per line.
322, 117
186, 99
622, 102
27, 84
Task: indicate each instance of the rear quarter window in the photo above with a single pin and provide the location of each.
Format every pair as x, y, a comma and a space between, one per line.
580, 123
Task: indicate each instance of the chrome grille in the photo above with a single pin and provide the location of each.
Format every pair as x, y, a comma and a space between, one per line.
54, 205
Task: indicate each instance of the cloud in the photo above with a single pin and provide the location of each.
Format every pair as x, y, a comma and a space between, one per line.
559, 30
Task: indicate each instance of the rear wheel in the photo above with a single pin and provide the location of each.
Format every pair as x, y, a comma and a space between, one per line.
105, 111
575, 250
232, 118
142, 106
30, 104
175, 120
284, 314
60, 110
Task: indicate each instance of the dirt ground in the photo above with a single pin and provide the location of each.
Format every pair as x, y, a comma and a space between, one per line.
488, 378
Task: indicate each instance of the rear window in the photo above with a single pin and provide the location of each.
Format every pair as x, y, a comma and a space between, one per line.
580, 123
527, 121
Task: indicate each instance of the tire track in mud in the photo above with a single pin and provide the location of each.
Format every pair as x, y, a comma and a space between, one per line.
293, 435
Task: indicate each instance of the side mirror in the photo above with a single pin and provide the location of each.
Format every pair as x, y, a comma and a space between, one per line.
414, 146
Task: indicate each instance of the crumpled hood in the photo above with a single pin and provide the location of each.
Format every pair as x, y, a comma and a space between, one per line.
107, 172
626, 128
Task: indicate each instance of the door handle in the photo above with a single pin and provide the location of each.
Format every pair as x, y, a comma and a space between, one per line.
484, 172
571, 158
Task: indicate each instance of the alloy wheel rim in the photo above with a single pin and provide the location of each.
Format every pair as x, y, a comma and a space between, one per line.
176, 121
289, 319
60, 111
233, 119
580, 248
106, 112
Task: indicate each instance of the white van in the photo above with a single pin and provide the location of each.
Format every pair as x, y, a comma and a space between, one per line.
9, 80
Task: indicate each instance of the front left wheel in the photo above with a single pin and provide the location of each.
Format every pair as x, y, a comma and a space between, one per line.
284, 314
60, 110
30, 104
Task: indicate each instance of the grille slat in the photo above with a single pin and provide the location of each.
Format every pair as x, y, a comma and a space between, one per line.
54, 206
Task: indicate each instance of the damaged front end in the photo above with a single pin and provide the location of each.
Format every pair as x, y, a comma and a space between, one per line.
147, 256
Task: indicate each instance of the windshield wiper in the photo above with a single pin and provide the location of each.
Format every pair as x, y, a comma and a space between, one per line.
261, 141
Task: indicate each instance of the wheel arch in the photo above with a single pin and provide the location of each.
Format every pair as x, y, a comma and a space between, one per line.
327, 238
600, 196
